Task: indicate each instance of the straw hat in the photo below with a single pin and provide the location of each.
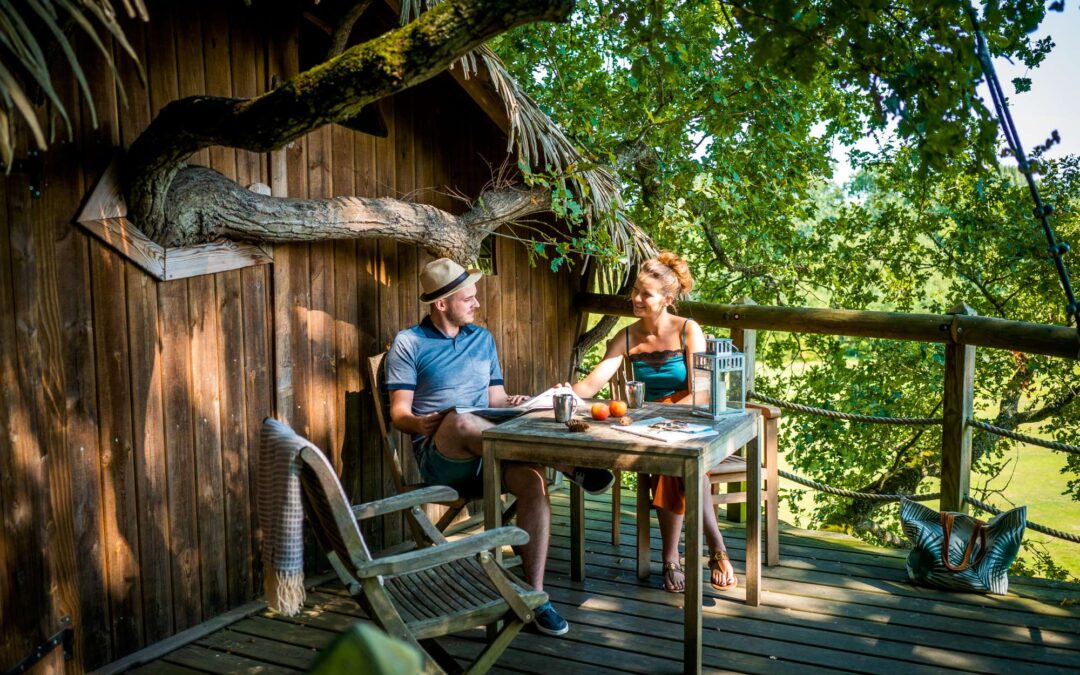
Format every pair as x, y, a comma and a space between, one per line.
444, 277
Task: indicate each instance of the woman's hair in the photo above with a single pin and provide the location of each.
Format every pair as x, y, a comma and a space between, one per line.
671, 271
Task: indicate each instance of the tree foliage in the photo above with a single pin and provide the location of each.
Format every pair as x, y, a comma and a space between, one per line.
722, 116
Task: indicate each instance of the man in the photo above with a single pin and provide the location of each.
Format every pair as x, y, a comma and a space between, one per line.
444, 362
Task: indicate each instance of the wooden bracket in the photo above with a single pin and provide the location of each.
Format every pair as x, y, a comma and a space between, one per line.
104, 215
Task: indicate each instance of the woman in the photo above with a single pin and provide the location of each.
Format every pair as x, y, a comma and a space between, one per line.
659, 346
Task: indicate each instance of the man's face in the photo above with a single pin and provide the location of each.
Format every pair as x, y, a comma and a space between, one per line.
460, 308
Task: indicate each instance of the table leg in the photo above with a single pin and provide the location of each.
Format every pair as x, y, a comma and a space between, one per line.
577, 532
644, 508
753, 521
492, 493
695, 470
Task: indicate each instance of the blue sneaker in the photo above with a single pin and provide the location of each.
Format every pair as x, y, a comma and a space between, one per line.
549, 622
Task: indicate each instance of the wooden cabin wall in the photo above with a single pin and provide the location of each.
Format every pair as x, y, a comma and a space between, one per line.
131, 407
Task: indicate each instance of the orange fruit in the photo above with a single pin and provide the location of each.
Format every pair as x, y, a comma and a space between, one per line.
600, 411
618, 408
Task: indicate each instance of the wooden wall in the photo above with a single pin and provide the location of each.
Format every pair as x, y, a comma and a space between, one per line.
130, 412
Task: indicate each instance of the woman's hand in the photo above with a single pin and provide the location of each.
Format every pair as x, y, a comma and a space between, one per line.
516, 399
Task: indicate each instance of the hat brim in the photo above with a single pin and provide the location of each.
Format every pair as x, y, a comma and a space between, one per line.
474, 276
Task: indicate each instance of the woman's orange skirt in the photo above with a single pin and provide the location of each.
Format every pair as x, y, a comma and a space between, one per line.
669, 492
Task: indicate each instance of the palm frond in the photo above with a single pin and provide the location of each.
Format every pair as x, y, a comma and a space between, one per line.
541, 144
27, 41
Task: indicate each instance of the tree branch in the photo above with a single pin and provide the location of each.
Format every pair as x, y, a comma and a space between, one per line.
204, 205
332, 91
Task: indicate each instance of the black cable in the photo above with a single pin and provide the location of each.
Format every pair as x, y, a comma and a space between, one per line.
1042, 211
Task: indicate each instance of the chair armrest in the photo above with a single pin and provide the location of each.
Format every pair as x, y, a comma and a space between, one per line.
424, 558
769, 412
434, 494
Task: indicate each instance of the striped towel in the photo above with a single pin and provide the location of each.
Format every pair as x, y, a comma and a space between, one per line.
281, 515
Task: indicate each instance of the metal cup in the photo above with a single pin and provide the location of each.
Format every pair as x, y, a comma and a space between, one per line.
635, 394
564, 405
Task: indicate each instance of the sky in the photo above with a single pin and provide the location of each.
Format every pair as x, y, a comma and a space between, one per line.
1054, 99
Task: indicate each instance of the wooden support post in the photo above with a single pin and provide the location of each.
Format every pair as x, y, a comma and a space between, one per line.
745, 340
956, 411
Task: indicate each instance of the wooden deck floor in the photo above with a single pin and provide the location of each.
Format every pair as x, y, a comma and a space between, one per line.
833, 604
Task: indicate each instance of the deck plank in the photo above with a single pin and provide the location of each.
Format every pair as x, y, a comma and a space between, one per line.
832, 604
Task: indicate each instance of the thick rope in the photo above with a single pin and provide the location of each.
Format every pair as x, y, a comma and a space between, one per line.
1030, 525
836, 415
1053, 445
808, 482
918, 498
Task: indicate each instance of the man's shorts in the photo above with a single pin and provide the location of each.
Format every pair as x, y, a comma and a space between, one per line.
464, 475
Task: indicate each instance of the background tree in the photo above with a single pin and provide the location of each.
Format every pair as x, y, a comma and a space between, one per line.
721, 117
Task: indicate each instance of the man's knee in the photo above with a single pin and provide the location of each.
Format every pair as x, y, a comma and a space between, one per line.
526, 480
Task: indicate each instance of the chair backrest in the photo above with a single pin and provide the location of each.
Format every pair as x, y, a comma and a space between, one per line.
618, 381
381, 397
327, 509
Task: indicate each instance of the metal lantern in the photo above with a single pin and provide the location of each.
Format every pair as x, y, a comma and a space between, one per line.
718, 385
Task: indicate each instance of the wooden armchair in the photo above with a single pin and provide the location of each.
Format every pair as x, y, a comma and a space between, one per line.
424, 593
731, 471
393, 459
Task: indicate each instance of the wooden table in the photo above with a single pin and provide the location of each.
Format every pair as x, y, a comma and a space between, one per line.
536, 437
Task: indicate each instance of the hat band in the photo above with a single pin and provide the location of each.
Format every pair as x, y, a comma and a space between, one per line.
427, 297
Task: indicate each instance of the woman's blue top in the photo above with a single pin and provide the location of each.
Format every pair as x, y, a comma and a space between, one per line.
663, 372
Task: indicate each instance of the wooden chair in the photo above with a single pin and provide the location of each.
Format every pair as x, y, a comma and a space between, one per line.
422, 594
392, 456
731, 471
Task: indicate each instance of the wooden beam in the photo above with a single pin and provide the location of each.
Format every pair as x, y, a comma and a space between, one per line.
1031, 338
955, 432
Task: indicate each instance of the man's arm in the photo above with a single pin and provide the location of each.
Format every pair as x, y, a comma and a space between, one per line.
401, 414
498, 398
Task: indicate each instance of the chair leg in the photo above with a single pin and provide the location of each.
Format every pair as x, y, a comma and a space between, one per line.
616, 509
772, 520
496, 647
442, 657
644, 506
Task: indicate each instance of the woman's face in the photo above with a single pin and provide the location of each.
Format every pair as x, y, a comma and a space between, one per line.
648, 297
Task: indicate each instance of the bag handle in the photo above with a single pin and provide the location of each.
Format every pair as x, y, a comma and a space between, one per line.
979, 532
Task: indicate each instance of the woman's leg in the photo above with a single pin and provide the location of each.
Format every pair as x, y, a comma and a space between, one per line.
670, 528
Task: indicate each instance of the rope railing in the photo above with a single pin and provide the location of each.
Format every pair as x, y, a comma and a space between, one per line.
874, 497
841, 492
837, 415
1033, 440
990, 508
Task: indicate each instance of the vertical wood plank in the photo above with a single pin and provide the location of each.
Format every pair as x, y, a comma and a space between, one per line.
148, 436
148, 432
21, 474
119, 499
206, 418
346, 357
176, 372
956, 411
389, 317
366, 481
320, 317
247, 53
745, 340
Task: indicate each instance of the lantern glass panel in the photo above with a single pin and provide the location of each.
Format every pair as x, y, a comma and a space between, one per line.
718, 380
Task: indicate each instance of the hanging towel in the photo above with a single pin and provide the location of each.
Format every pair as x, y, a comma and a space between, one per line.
281, 515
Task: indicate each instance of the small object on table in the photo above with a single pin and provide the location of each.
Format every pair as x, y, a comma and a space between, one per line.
577, 425
625, 420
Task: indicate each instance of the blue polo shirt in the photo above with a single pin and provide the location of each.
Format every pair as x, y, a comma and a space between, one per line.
442, 371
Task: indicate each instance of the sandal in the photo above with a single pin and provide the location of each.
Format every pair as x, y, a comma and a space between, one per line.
671, 569
716, 564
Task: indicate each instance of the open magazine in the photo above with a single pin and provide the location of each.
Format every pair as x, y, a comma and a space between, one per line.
669, 431
545, 400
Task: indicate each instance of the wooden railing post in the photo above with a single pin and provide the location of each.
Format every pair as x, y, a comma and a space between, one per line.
745, 340
956, 411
